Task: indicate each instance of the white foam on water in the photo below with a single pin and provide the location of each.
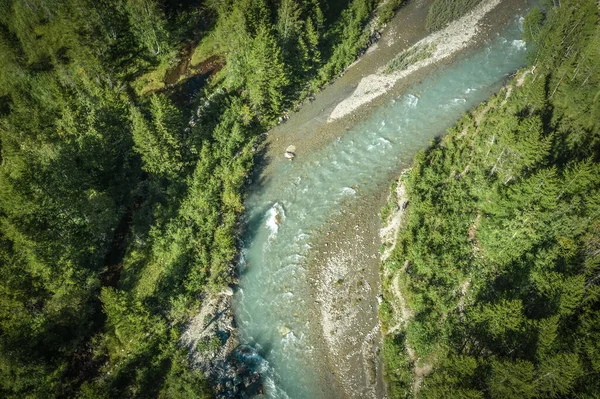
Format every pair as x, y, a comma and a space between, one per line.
275, 217
287, 270
519, 44
289, 340
242, 262
302, 237
292, 260
273, 390
348, 191
411, 100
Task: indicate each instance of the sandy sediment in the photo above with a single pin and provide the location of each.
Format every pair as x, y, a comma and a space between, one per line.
345, 278
440, 45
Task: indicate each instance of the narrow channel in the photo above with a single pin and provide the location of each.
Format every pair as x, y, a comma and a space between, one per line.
286, 208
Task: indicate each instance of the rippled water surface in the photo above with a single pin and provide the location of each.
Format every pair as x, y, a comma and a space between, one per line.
283, 214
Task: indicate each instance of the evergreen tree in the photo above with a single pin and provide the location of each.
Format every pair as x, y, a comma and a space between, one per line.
159, 142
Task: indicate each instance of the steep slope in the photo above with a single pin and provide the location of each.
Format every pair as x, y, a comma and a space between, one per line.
497, 262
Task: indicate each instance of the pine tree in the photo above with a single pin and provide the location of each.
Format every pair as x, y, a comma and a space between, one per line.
268, 74
158, 142
512, 379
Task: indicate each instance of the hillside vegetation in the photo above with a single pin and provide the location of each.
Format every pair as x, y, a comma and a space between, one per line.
493, 289
118, 211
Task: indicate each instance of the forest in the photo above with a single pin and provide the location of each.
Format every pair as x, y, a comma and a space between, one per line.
119, 203
495, 279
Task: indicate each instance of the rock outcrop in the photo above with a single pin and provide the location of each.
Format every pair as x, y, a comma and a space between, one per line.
212, 341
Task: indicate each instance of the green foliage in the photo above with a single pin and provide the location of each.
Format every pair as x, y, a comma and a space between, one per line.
460, 372
398, 370
512, 379
500, 319
442, 12
273, 53
265, 89
148, 26
387, 10
533, 25
183, 382
500, 271
157, 141
117, 210
67, 183
391, 204
345, 39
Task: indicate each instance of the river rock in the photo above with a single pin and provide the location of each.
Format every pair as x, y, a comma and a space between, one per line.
290, 152
284, 330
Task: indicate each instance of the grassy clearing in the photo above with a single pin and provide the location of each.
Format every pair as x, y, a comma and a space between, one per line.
204, 50
152, 81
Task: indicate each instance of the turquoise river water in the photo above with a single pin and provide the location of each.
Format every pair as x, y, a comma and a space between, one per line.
284, 212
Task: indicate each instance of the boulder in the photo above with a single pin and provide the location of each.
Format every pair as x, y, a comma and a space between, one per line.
284, 330
290, 152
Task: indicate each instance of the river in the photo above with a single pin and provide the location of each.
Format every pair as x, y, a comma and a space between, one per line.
288, 208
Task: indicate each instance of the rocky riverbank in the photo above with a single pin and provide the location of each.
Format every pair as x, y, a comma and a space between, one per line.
345, 282
432, 49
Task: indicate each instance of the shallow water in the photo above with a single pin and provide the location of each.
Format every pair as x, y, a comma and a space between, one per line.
284, 212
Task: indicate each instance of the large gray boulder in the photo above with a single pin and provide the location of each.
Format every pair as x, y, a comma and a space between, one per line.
290, 152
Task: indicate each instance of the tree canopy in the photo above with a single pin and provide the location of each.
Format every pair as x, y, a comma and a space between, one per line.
119, 205
498, 258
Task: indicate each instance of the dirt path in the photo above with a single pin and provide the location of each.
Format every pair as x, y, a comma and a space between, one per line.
402, 313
